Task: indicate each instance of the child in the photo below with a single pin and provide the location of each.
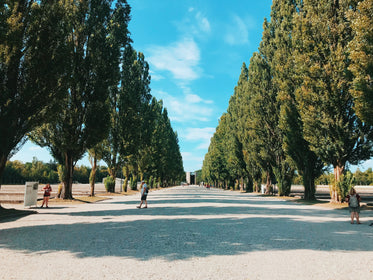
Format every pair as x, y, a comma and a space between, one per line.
353, 200
47, 193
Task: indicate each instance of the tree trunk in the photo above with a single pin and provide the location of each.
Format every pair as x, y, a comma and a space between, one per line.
3, 160
92, 176
268, 183
249, 184
68, 180
338, 170
308, 183
126, 179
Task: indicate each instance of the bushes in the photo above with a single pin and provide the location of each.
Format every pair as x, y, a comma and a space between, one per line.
109, 184
16, 172
133, 183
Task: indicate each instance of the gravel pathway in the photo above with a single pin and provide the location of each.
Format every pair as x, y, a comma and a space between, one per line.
187, 233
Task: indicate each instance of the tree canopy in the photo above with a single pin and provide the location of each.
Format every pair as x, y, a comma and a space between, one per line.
72, 82
305, 101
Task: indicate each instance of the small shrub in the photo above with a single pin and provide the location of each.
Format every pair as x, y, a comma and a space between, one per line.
133, 183
345, 184
109, 184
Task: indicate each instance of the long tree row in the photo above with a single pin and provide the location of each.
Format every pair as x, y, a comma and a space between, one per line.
71, 81
304, 103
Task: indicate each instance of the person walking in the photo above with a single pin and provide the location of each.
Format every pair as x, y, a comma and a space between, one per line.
47, 193
353, 200
144, 194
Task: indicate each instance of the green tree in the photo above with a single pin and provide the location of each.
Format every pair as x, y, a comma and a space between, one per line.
361, 56
95, 154
31, 41
330, 125
239, 108
97, 32
160, 155
134, 101
308, 164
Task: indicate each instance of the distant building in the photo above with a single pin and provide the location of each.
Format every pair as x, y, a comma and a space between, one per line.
191, 178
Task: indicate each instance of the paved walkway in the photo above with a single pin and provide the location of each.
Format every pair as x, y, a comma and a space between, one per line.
187, 233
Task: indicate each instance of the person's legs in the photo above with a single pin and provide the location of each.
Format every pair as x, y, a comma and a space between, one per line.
352, 217
357, 217
146, 204
43, 201
46, 201
139, 205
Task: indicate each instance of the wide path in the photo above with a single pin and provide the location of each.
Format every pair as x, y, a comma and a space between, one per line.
187, 233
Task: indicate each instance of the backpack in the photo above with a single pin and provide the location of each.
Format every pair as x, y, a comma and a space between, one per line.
353, 202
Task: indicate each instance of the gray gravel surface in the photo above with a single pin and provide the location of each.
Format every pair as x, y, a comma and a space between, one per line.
187, 233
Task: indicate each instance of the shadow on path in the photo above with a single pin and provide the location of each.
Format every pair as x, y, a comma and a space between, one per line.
171, 235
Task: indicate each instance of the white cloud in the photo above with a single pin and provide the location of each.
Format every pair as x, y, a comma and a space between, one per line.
35, 148
189, 107
156, 77
237, 32
180, 58
193, 98
203, 23
201, 135
192, 162
187, 156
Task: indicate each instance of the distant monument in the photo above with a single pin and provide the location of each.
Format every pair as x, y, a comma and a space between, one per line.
191, 178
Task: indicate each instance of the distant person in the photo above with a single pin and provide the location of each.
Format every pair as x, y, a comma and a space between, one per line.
144, 194
353, 200
47, 193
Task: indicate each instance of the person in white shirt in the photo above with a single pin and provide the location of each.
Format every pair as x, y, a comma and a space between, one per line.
144, 194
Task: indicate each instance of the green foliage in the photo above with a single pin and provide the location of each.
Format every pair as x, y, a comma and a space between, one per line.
150, 184
31, 40
326, 106
361, 56
133, 183
345, 183
304, 102
109, 183
17, 172
97, 33
82, 82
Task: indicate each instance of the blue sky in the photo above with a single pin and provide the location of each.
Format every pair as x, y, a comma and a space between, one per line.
195, 49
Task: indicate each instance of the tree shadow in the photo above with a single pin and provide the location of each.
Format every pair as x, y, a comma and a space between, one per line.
184, 238
193, 226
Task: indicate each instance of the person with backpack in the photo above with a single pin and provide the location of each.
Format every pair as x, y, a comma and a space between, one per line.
353, 200
144, 194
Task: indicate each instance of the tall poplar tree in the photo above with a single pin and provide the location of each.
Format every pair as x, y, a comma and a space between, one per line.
308, 164
32, 47
335, 133
237, 128
97, 34
361, 55
133, 101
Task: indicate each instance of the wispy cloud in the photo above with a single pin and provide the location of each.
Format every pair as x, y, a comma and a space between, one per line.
202, 22
192, 162
186, 108
201, 135
195, 24
180, 58
194, 98
155, 76
237, 32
